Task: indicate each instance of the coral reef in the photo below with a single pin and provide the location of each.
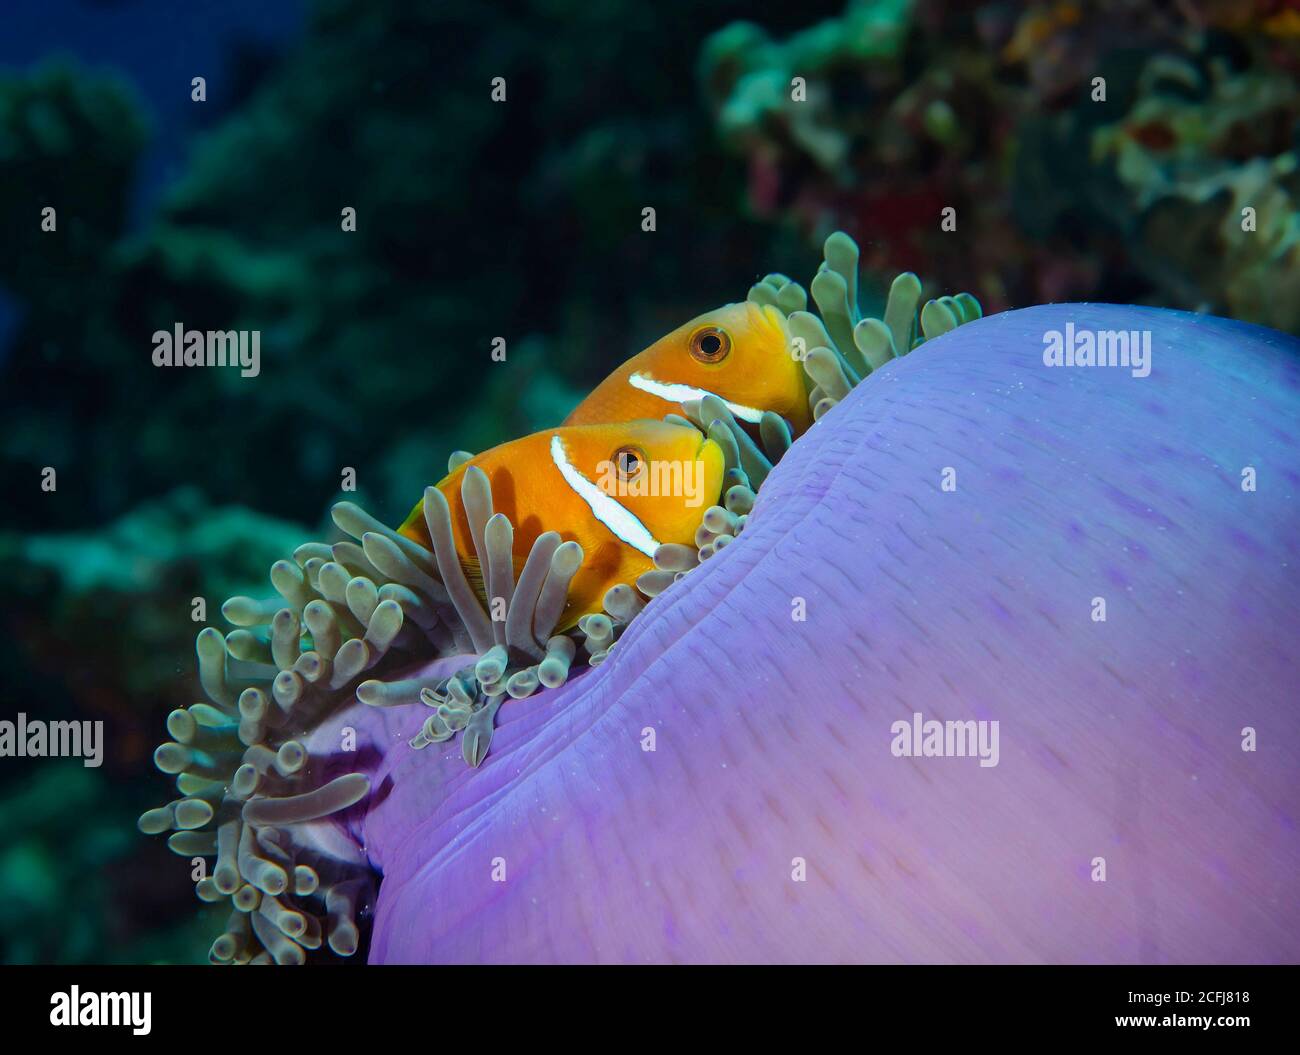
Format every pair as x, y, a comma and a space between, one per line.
121, 597
901, 110
523, 221
870, 139
95, 623
1202, 144
500, 224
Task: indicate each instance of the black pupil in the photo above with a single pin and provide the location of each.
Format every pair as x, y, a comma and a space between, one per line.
710, 344
630, 462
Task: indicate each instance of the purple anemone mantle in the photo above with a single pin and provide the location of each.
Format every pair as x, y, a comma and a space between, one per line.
1119, 740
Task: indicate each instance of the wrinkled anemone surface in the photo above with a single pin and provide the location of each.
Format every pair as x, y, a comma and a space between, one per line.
1120, 740
382, 607
722, 788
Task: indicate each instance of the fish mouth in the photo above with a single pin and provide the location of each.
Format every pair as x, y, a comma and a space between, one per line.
675, 392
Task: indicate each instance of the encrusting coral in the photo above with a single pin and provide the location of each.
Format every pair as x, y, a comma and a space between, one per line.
480, 574
1214, 193
1100, 159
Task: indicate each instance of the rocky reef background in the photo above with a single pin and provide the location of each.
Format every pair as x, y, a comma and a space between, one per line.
520, 220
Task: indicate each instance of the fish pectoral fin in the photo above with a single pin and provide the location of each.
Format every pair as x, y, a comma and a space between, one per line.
474, 573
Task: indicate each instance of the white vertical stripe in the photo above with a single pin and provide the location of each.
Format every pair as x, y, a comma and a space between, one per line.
626, 527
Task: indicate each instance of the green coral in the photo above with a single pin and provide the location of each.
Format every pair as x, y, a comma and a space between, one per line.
103, 617
121, 598
70, 141
74, 876
1058, 193
1197, 149
748, 76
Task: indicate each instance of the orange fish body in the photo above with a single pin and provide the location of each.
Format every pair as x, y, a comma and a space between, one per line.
740, 353
650, 480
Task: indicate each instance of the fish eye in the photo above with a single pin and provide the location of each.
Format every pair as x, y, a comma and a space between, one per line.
629, 462
710, 345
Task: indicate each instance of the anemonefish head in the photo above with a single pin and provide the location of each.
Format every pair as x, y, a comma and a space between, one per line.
740, 353
618, 490
646, 482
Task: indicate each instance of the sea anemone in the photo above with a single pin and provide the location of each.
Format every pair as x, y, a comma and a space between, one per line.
375, 617
301, 794
723, 788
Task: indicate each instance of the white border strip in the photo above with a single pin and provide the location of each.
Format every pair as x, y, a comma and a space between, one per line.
679, 393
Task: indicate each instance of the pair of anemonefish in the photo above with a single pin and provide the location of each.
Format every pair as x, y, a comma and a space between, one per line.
589, 478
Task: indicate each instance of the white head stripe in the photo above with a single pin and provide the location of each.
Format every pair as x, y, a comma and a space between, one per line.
625, 526
678, 393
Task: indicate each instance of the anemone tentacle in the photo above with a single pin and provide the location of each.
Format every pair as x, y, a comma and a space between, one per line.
967, 605
250, 790
843, 346
357, 621
367, 619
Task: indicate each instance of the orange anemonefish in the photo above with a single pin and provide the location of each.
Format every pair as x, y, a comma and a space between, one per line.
617, 490
739, 353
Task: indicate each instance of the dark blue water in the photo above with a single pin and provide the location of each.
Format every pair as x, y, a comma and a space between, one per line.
157, 46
